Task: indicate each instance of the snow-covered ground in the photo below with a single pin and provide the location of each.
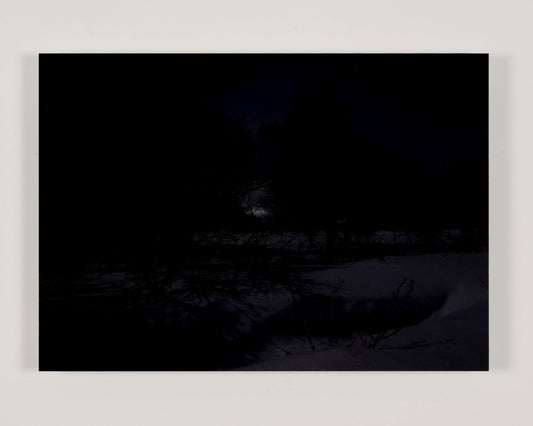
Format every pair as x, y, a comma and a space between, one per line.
453, 337
276, 316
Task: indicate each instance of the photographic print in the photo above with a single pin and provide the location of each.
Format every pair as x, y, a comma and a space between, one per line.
263, 212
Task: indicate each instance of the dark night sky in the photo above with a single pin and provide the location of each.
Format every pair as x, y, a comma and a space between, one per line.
433, 107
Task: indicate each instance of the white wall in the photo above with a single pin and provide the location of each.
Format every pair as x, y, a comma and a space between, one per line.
501, 397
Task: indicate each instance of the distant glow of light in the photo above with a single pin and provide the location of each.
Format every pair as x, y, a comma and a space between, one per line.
258, 212
252, 202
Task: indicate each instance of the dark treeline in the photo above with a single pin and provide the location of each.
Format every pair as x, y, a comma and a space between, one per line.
138, 153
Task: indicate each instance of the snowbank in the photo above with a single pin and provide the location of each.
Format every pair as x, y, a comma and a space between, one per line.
454, 337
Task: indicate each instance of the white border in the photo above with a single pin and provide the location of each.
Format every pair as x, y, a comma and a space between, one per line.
499, 397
